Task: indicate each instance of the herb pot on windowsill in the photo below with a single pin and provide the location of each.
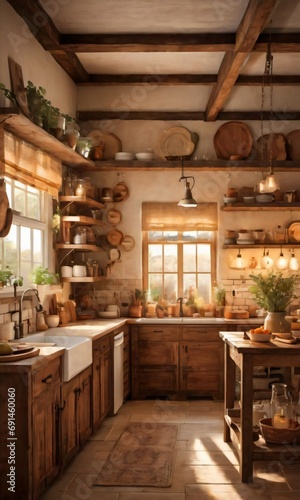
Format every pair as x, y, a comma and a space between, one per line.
135, 311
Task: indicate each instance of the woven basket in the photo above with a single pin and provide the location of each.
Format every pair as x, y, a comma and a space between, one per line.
274, 435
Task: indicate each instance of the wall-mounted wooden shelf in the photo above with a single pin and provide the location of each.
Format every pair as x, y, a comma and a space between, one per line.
86, 279
80, 247
82, 200
22, 127
82, 220
237, 207
263, 245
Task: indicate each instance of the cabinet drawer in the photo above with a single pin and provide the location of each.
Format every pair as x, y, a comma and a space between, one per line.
158, 332
201, 334
44, 379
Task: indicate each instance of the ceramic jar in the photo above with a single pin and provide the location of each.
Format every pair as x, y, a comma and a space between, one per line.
275, 322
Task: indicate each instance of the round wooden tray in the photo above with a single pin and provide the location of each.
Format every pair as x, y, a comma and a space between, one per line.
233, 141
293, 145
8, 358
274, 143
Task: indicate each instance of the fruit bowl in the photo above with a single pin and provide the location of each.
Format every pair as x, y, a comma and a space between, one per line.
259, 337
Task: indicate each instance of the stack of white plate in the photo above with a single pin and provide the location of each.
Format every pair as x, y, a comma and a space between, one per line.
146, 156
123, 155
245, 238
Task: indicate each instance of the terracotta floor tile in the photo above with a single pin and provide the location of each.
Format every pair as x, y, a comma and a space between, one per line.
205, 467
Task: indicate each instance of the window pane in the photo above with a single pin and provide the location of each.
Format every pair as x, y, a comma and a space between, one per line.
37, 246
155, 287
155, 235
33, 207
170, 258
170, 235
155, 258
189, 283
203, 258
10, 255
189, 258
205, 287
25, 244
171, 287
19, 204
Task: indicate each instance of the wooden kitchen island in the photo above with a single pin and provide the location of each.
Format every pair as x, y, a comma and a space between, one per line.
245, 354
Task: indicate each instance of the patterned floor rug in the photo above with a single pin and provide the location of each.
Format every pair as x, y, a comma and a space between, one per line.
142, 456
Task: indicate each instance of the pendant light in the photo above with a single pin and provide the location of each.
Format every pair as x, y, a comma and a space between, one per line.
187, 201
266, 262
281, 262
238, 262
270, 183
293, 262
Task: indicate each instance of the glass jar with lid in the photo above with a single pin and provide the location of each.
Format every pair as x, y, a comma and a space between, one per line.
79, 235
281, 407
80, 188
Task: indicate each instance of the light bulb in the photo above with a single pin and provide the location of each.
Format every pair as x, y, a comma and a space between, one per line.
281, 262
271, 184
238, 262
261, 188
266, 261
293, 263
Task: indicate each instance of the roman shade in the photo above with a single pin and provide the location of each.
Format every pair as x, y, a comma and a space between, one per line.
171, 217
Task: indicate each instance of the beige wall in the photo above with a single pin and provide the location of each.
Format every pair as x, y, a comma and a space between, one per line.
38, 66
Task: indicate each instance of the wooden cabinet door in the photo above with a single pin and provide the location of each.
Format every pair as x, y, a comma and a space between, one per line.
69, 440
45, 439
105, 384
102, 381
84, 406
201, 368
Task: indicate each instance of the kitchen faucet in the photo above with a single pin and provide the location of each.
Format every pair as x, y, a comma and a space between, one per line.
35, 302
180, 299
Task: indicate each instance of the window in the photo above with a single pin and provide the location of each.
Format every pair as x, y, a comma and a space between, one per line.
179, 259
24, 247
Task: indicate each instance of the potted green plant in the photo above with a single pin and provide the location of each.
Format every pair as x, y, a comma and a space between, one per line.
274, 293
135, 310
5, 276
42, 276
37, 104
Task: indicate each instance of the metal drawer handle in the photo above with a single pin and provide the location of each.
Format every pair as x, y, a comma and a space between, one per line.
47, 380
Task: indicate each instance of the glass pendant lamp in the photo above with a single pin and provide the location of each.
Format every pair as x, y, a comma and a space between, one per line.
293, 262
281, 262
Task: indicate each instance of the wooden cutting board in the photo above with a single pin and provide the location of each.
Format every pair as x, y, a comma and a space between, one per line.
274, 142
293, 145
70, 311
233, 141
16, 357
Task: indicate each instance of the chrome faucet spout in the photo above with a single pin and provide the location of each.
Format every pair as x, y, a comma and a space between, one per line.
36, 302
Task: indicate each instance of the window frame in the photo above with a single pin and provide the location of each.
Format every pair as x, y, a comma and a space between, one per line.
180, 242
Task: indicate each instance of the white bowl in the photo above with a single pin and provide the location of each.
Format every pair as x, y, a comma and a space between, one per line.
229, 200
123, 155
79, 271
52, 320
259, 337
107, 314
264, 198
248, 199
147, 156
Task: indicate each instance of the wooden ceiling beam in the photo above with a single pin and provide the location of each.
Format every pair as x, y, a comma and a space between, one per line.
184, 79
185, 115
204, 42
44, 30
254, 20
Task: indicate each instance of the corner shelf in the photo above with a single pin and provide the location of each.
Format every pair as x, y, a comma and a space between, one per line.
235, 207
81, 247
82, 220
82, 200
85, 279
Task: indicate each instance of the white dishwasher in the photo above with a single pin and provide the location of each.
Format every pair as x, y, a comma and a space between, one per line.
118, 371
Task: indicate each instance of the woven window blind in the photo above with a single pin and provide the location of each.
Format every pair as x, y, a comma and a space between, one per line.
170, 217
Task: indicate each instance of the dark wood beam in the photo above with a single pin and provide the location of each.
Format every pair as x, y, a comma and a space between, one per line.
197, 42
252, 24
204, 42
44, 30
177, 79
185, 115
